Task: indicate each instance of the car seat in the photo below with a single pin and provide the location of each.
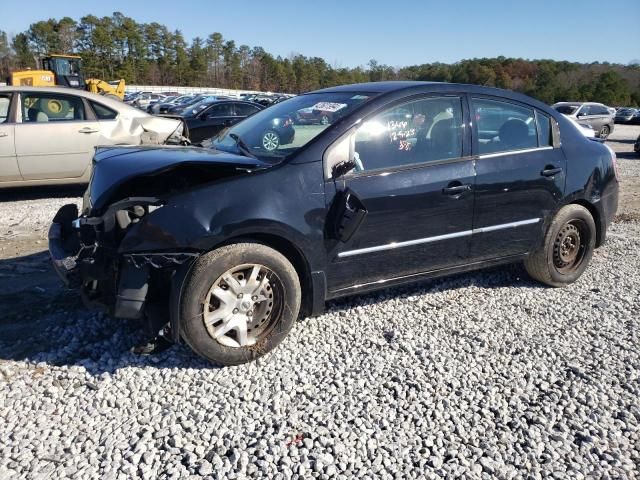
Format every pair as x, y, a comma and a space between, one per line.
35, 115
514, 133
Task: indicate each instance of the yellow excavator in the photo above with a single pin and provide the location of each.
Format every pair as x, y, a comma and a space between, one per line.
65, 71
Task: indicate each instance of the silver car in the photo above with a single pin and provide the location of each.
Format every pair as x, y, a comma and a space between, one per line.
589, 114
48, 135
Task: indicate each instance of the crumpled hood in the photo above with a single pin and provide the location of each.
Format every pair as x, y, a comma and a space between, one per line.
115, 166
140, 128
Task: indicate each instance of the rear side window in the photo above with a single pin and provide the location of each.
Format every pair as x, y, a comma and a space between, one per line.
503, 126
102, 112
244, 110
5, 102
599, 110
544, 130
47, 107
223, 110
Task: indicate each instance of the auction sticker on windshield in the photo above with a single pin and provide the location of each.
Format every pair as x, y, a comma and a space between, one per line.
328, 106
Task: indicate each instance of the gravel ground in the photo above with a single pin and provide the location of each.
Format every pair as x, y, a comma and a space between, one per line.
482, 375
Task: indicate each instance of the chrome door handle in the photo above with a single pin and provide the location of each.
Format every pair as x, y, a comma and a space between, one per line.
87, 130
3, 134
550, 171
456, 189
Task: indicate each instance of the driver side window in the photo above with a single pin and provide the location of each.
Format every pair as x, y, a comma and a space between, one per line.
411, 133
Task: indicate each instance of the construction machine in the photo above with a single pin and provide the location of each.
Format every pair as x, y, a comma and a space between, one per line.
65, 71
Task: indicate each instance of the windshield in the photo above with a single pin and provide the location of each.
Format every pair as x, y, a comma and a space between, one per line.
566, 109
283, 128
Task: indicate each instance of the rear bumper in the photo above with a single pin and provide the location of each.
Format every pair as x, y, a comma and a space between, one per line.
608, 208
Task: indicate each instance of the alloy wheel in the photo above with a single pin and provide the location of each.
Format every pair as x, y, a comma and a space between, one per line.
270, 141
242, 305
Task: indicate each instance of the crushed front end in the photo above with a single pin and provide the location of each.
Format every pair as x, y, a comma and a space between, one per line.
84, 251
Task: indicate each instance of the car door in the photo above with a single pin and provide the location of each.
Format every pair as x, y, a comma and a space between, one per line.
520, 176
211, 121
9, 170
583, 116
407, 206
55, 136
599, 116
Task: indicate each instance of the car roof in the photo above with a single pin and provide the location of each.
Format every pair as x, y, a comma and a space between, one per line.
116, 104
577, 104
384, 89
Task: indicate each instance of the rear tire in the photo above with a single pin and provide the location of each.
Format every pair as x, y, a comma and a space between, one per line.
567, 250
224, 318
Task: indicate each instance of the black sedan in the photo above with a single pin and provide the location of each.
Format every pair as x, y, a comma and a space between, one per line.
207, 118
411, 180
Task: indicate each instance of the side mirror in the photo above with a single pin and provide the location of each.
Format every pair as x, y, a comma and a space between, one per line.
341, 168
582, 114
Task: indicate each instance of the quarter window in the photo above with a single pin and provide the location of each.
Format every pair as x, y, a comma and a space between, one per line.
503, 127
102, 112
5, 102
544, 130
46, 107
416, 132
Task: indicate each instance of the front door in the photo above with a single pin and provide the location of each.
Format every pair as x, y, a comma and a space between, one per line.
415, 180
54, 139
211, 121
9, 170
520, 177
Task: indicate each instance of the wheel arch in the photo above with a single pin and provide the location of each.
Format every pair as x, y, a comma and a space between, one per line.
292, 253
596, 218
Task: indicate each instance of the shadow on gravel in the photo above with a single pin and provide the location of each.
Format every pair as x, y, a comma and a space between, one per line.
41, 321
44, 192
628, 155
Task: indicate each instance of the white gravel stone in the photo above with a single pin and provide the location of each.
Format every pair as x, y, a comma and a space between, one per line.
482, 375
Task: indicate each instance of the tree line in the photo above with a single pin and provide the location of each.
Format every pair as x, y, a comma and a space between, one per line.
117, 46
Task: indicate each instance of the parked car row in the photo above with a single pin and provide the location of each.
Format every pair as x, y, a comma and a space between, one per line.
628, 115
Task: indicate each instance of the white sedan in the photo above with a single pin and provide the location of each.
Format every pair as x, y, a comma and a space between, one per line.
48, 135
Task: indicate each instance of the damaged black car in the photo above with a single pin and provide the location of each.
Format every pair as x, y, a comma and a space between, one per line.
225, 247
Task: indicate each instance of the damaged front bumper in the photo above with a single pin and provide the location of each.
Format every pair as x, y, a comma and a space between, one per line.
84, 252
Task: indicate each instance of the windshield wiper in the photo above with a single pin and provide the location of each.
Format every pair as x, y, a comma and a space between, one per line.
242, 146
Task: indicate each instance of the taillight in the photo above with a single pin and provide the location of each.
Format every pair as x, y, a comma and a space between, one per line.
614, 161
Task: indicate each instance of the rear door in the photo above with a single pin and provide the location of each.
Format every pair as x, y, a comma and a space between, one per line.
211, 121
520, 176
414, 178
9, 170
55, 136
599, 116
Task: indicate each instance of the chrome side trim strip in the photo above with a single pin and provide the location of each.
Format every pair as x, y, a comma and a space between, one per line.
514, 152
408, 243
506, 225
419, 241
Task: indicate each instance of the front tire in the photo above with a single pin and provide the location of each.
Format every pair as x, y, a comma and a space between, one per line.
568, 247
239, 303
604, 132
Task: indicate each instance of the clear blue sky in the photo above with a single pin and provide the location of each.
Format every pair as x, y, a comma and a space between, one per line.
395, 32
